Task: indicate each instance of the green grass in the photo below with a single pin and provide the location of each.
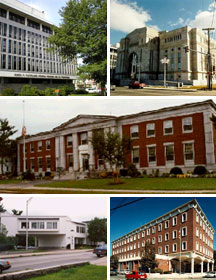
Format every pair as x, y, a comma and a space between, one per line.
140, 184
12, 181
88, 272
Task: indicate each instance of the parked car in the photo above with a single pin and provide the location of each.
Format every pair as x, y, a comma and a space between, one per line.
136, 84
210, 274
113, 272
4, 265
112, 87
100, 251
125, 271
136, 275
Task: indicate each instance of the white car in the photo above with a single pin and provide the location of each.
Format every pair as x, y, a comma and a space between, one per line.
92, 90
210, 274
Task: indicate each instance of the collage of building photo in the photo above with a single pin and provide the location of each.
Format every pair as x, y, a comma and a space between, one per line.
107, 139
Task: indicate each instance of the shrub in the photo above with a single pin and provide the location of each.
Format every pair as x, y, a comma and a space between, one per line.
28, 175
81, 91
49, 92
47, 174
200, 170
8, 92
67, 89
27, 90
132, 170
167, 272
157, 270
176, 171
123, 172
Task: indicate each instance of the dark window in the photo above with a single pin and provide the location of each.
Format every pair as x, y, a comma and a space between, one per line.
46, 29
3, 13
3, 61
16, 18
33, 24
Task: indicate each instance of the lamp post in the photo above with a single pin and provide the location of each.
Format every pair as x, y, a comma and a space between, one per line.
165, 61
0, 217
27, 203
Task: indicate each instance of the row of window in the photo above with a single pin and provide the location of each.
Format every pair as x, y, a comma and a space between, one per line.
187, 127
204, 238
39, 225
83, 139
40, 163
152, 230
203, 250
80, 229
188, 150
203, 225
173, 38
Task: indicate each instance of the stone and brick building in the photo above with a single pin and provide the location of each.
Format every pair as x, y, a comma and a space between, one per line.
196, 241
182, 136
141, 51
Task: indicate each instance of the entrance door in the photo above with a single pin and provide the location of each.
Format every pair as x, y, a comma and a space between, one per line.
85, 162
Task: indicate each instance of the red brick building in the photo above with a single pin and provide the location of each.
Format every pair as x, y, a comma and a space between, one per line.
196, 241
182, 136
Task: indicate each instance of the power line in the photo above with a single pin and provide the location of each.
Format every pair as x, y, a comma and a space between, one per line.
213, 13
125, 204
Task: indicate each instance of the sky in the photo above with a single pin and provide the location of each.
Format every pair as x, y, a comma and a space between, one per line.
130, 217
43, 114
50, 7
77, 208
127, 15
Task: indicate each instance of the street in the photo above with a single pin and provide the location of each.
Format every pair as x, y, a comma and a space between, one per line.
125, 91
43, 261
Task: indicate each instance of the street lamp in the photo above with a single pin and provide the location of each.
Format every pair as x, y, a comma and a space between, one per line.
165, 61
27, 203
0, 217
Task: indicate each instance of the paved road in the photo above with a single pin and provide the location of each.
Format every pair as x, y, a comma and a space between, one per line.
124, 91
34, 262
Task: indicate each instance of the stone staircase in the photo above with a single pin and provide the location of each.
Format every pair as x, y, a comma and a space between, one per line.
79, 175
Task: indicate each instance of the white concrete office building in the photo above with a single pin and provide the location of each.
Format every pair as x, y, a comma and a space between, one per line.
24, 58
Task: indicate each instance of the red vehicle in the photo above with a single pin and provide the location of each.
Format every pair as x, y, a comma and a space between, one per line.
136, 275
136, 84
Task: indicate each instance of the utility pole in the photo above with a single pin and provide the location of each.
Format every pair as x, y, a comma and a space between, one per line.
209, 59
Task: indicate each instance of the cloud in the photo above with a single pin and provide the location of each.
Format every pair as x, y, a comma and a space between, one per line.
179, 22
126, 17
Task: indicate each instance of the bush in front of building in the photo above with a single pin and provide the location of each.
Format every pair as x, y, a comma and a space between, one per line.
28, 175
123, 172
8, 92
67, 90
81, 91
176, 171
132, 170
27, 90
199, 170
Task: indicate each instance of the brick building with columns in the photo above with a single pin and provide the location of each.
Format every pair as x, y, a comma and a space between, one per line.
182, 136
196, 243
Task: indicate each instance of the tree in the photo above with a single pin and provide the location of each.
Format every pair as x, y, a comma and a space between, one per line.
111, 147
6, 131
83, 33
148, 258
97, 230
17, 212
114, 262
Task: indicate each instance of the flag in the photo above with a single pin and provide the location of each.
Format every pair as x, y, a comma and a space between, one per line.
23, 131
179, 234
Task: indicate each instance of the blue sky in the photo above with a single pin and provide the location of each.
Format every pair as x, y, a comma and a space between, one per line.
126, 15
128, 218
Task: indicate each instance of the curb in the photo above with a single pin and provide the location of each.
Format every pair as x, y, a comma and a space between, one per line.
38, 272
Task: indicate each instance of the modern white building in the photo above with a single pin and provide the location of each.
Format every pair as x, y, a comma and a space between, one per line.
49, 231
24, 58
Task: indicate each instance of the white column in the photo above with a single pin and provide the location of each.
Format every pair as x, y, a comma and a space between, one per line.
91, 151
192, 265
62, 151
202, 267
208, 266
57, 151
18, 158
75, 152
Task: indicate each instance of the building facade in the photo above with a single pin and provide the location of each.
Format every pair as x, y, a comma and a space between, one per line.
183, 235
141, 51
180, 136
24, 58
113, 59
48, 231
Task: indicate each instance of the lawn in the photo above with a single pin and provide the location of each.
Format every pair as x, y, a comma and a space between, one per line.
140, 184
12, 181
88, 272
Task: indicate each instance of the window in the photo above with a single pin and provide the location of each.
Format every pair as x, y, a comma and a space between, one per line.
51, 225
39, 146
152, 154
166, 224
188, 151
197, 246
69, 141
167, 249
143, 234
47, 144
197, 232
184, 231
187, 125
153, 240
23, 225
174, 247
174, 221
153, 229
148, 231
134, 131
169, 152
174, 234
159, 250
197, 218
48, 162
135, 155
159, 227
184, 245
32, 147
70, 160
32, 163
159, 238
143, 244
150, 128
40, 163
168, 127
84, 138
166, 236
37, 225
184, 217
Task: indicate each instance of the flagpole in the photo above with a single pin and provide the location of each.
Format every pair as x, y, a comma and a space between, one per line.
24, 144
